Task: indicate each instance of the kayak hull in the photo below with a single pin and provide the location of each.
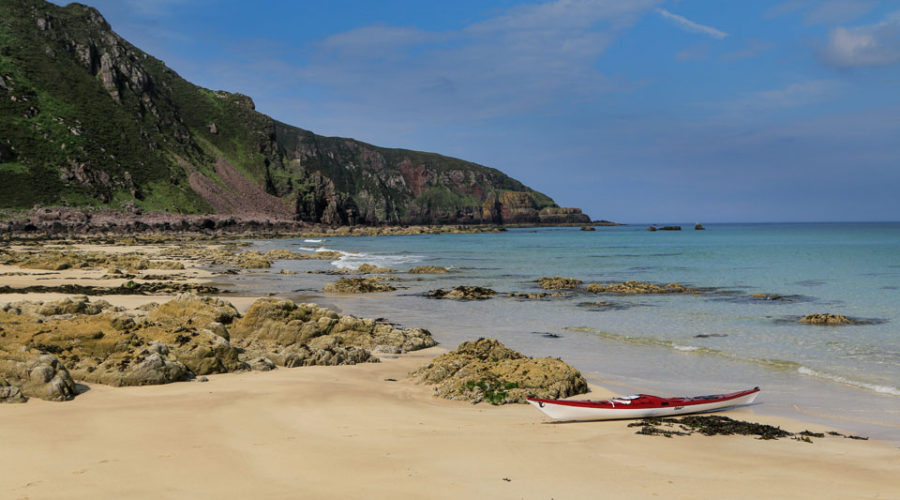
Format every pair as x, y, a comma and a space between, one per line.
640, 406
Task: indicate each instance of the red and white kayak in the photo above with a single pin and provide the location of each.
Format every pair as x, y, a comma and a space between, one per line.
640, 406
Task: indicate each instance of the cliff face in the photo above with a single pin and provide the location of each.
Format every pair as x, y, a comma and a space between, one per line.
87, 119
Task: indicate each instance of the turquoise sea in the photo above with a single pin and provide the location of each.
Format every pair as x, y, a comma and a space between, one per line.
724, 339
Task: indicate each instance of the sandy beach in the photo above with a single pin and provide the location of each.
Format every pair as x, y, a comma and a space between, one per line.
350, 432
369, 431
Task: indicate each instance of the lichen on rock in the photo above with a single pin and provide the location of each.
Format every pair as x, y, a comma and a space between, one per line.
486, 370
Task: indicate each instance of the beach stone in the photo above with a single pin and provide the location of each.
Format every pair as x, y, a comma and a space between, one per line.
261, 364
558, 283
640, 287
588, 228
10, 393
826, 319
486, 370
429, 270
462, 293
38, 375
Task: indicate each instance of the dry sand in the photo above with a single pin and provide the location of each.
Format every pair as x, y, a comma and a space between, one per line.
347, 432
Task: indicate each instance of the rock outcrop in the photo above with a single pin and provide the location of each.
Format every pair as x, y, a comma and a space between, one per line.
486, 370
462, 293
429, 270
359, 285
826, 319
558, 283
44, 346
640, 287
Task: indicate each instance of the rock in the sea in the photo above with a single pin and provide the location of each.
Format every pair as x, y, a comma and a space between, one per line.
558, 283
370, 269
826, 319
588, 228
670, 228
359, 285
462, 293
699, 227
486, 370
651, 228
428, 270
541, 295
640, 287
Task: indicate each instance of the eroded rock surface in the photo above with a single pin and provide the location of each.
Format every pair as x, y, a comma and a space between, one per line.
826, 319
44, 345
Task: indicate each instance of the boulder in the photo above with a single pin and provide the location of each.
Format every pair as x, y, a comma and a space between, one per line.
10, 393
588, 228
486, 370
37, 375
462, 293
699, 227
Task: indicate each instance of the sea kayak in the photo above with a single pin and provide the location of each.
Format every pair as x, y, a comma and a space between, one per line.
640, 406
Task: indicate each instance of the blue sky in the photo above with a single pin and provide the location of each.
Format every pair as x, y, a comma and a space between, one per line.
633, 110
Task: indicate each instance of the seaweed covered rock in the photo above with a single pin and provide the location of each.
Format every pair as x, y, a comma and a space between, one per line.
429, 270
558, 283
462, 293
640, 287
486, 370
826, 319
37, 375
359, 285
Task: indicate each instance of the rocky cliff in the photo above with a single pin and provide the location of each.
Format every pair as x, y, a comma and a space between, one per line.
87, 119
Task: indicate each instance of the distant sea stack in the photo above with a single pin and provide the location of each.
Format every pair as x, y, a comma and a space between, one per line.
699, 227
87, 120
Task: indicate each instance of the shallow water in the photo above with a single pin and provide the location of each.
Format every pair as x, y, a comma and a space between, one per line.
723, 339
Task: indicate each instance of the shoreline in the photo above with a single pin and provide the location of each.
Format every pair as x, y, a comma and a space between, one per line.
294, 431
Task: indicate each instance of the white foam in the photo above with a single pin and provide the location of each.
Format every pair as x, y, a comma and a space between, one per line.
883, 389
685, 348
354, 260
312, 241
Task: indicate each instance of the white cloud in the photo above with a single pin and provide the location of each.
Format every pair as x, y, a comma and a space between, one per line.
868, 45
838, 11
690, 26
526, 58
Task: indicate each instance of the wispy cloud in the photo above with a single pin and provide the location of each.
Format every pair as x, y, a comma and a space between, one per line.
690, 26
869, 45
838, 11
